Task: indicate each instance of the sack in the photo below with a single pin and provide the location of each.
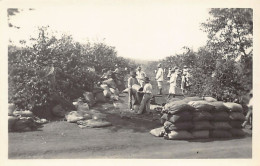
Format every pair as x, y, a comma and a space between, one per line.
236, 123
99, 97
11, 108
237, 116
104, 86
220, 116
180, 117
221, 125
73, 117
201, 134
93, 123
107, 93
11, 122
179, 135
237, 132
26, 113
136, 88
114, 91
219, 106
158, 132
89, 97
202, 105
155, 107
164, 118
210, 99
234, 107
202, 115
126, 90
23, 124
202, 125
177, 126
178, 106
188, 99
110, 82
220, 134
58, 111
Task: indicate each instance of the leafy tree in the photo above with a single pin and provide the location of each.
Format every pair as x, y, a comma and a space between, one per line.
54, 66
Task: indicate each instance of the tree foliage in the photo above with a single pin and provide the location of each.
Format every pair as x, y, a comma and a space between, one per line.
56, 66
222, 68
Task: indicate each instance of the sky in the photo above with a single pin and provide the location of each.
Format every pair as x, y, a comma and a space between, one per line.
145, 32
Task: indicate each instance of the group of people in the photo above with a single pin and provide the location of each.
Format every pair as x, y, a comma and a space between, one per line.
139, 77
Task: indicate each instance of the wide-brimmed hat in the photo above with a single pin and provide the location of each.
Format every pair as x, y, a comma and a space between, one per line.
146, 79
159, 65
132, 73
185, 66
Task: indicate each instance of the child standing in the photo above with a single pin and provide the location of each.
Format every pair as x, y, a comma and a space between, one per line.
131, 81
145, 103
173, 82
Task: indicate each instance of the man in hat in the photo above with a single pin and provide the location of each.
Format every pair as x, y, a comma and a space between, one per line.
140, 75
159, 78
147, 91
131, 81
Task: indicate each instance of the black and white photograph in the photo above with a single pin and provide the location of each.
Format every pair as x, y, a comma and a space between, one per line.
129, 80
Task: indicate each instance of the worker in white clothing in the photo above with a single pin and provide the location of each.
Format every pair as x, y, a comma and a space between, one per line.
147, 91
140, 75
159, 78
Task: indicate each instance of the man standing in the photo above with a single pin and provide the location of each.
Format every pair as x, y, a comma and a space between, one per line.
159, 78
131, 81
140, 75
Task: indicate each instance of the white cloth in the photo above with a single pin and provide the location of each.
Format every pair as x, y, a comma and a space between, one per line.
159, 75
140, 75
173, 83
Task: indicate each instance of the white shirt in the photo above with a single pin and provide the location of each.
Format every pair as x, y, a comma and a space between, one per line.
173, 79
159, 75
140, 75
148, 88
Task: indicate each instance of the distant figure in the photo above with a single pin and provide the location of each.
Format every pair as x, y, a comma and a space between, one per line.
147, 91
131, 81
159, 78
250, 110
140, 75
173, 82
185, 80
169, 73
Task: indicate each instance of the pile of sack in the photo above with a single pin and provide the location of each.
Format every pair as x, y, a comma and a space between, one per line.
20, 121
86, 117
200, 118
110, 90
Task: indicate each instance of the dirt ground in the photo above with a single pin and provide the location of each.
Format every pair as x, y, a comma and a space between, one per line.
129, 137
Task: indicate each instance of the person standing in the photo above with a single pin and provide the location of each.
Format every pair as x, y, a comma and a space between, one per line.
159, 78
184, 79
173, 82
169, 73
147, 91
131, 81
250, 111
140, 75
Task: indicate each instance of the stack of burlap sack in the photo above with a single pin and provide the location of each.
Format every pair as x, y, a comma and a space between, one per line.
21, 121
200, 118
